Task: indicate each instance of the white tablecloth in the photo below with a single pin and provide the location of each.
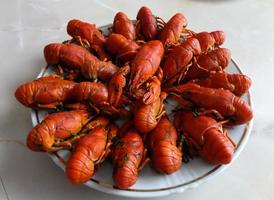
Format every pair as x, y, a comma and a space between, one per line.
27, 26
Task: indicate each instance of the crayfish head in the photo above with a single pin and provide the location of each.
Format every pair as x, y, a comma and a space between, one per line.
37, 143
34, 141
52, 53
72, 26
24, 93
112, 131
242, 112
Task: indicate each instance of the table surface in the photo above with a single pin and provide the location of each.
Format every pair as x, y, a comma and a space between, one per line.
27, 26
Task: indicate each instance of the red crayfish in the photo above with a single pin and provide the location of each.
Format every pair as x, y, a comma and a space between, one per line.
57, 131
89, 151
124, 26
88, 33
172, 30
209, 40
205, 136
128, 157
145, 64
179, 60
215, 60
77, 58
123, 48
166, 157
236, 83
147, 24
147, 116
97, 96
45, 92
223, 101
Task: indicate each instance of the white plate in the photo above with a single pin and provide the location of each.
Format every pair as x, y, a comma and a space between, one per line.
151, 184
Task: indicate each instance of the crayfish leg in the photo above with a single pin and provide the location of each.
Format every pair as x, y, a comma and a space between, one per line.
67, 144
212, 113
162, 110
159, 74
49, 106
140, 42
183, 73
184, 104
54, 149
94, 108
145, 160
160, 22
59, 70
161, 113
104, 154
64, 144
100, 121
112, 133
83, 42
229, 138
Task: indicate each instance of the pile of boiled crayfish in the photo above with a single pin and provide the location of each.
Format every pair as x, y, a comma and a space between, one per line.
129, 74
